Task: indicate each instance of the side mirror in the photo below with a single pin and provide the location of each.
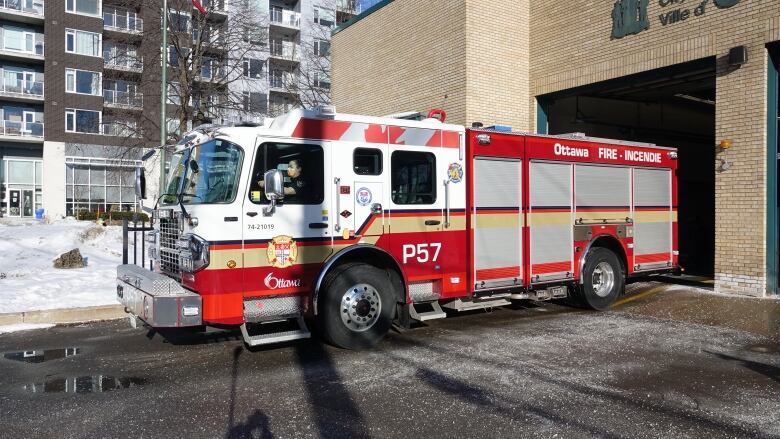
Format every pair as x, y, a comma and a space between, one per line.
274, 189
140, 183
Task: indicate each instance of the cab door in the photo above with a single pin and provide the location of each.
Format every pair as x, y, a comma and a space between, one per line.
284, 247
359, 171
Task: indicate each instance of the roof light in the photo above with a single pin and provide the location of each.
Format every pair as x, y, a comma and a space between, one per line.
327, 110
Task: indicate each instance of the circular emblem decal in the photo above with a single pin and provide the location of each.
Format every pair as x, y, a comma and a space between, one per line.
231, 264
455, 172
282, 251
363, 196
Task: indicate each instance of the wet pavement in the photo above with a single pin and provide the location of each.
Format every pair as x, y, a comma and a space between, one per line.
666, 361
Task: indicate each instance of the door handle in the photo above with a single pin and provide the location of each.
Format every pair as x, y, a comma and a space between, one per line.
376, 208
432, 222
318, 225
251, 214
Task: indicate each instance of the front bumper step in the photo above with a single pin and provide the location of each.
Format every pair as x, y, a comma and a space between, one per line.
275, 332
157, 299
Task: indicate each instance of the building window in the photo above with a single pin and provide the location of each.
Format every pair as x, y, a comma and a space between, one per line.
322, 80
321, 48
255, 102
82, 82
324, 17
253, 68
412, 177
82, 121
84, 7
93, 184
82, 42
179, 21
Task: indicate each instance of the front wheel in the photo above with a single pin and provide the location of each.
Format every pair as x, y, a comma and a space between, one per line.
356, 306
603, 279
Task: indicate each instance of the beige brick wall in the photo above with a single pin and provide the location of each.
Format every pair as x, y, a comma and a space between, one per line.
407, 56
492, 57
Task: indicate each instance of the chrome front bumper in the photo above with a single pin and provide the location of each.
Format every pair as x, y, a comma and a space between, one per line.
157, 299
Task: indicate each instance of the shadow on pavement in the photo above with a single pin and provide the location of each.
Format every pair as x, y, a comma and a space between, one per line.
335, 412
767, 370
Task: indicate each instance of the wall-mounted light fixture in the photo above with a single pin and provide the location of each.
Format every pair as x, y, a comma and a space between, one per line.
723, 145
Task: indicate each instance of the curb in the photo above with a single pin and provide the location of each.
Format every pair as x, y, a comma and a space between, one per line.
65, 315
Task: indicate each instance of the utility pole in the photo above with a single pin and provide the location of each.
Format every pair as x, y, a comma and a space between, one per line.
163, 94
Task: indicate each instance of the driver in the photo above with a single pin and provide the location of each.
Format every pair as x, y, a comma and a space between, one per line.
296, 188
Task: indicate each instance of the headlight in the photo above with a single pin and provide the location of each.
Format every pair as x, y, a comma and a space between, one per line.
194, 253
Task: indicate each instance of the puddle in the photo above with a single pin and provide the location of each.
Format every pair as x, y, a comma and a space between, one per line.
84, 384
40, 356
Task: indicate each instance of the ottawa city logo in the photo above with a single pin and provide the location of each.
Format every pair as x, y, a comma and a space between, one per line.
363, 196
282, 251
272, 282
629, 17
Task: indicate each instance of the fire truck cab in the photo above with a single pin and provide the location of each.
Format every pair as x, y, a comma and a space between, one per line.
359, 222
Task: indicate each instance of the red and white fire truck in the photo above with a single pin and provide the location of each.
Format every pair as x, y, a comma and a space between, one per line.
358, 222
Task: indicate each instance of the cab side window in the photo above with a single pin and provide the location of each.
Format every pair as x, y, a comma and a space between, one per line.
412, 177
302, 167
367, 161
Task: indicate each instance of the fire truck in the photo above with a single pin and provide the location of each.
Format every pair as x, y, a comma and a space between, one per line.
357, 223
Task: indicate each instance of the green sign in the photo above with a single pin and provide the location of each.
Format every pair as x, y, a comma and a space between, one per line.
630, 16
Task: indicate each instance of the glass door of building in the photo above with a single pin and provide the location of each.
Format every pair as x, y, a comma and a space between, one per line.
14, 203
27, 203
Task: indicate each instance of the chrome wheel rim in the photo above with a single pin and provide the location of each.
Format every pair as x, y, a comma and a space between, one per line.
360, 307
603, 279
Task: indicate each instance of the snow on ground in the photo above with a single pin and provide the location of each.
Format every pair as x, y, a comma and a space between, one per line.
28, 280
23, 327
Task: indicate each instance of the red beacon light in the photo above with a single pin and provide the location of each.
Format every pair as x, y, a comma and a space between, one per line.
437, 113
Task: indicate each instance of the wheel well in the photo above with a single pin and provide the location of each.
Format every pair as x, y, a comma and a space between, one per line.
369, 255
610, 243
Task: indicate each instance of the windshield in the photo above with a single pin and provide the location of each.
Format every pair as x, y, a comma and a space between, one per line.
212, 179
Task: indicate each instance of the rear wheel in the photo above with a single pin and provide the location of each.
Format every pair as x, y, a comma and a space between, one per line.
602, 279
356, 306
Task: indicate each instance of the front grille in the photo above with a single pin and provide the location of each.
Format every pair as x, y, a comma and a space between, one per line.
169, 253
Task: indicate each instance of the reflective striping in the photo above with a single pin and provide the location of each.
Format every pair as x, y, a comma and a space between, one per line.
498, 273
549, 219
653, 257
552, 267
493, 221
375, 133
607, 214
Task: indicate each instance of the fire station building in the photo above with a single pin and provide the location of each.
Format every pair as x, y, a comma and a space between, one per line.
699, 75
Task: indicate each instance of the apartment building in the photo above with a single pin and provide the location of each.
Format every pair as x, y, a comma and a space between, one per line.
80, 91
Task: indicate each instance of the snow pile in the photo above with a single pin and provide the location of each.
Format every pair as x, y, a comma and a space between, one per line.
4, 329
29, 282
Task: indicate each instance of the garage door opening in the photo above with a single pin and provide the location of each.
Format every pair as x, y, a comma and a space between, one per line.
673, 106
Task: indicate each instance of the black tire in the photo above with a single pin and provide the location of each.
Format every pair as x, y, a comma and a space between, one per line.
605, 268
360, 324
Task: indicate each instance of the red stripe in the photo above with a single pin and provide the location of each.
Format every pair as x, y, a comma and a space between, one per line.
498, 273
551, 267
652, 257
321, 129
450, 139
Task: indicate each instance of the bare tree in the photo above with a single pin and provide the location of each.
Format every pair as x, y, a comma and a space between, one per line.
310, 81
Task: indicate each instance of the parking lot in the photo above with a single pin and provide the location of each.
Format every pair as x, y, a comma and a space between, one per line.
666, 361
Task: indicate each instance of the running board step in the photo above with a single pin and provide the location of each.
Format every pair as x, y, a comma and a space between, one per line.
435, 313
271, 332
459, 305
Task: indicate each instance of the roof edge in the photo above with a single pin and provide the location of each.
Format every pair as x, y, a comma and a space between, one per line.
361, 16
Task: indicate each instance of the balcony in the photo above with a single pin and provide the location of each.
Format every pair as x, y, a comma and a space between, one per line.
116, 60
22, 131
122, 99
119, 129
20, 89
285, 17
283, 83
25, 11
122, 21
21, 45
287, 51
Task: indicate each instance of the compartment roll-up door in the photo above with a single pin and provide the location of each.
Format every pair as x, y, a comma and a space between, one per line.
497, 222
550, 221
652, 218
